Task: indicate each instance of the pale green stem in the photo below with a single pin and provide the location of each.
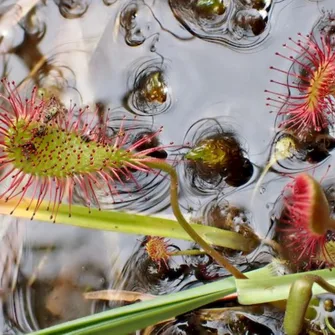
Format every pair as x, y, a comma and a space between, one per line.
298, 301
190, 252
329, 326
261, 178
223, 261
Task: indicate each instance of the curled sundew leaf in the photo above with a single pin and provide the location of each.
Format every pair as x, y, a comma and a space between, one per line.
305, 228
160, 251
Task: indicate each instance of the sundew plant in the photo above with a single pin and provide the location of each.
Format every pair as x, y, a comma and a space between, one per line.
188, 148
49, 150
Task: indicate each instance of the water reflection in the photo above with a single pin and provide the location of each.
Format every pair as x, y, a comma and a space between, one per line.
241, 24
72, 9
44, 71
11, 238
50, 285
134, 21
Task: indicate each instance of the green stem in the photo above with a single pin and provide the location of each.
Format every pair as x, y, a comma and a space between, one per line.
223, 261
269, 287
190, 252
329, 326
261, 178
298, 301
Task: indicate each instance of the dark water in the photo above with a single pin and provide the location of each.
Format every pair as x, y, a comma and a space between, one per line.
211, 71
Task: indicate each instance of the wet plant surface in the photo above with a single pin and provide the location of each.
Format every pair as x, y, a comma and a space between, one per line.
196, 84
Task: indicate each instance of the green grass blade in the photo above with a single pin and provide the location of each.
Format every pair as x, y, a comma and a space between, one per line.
140, 320
267, 289
128, 223
125, 320
130, 318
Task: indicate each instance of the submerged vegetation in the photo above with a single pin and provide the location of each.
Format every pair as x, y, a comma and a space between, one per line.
68, 164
